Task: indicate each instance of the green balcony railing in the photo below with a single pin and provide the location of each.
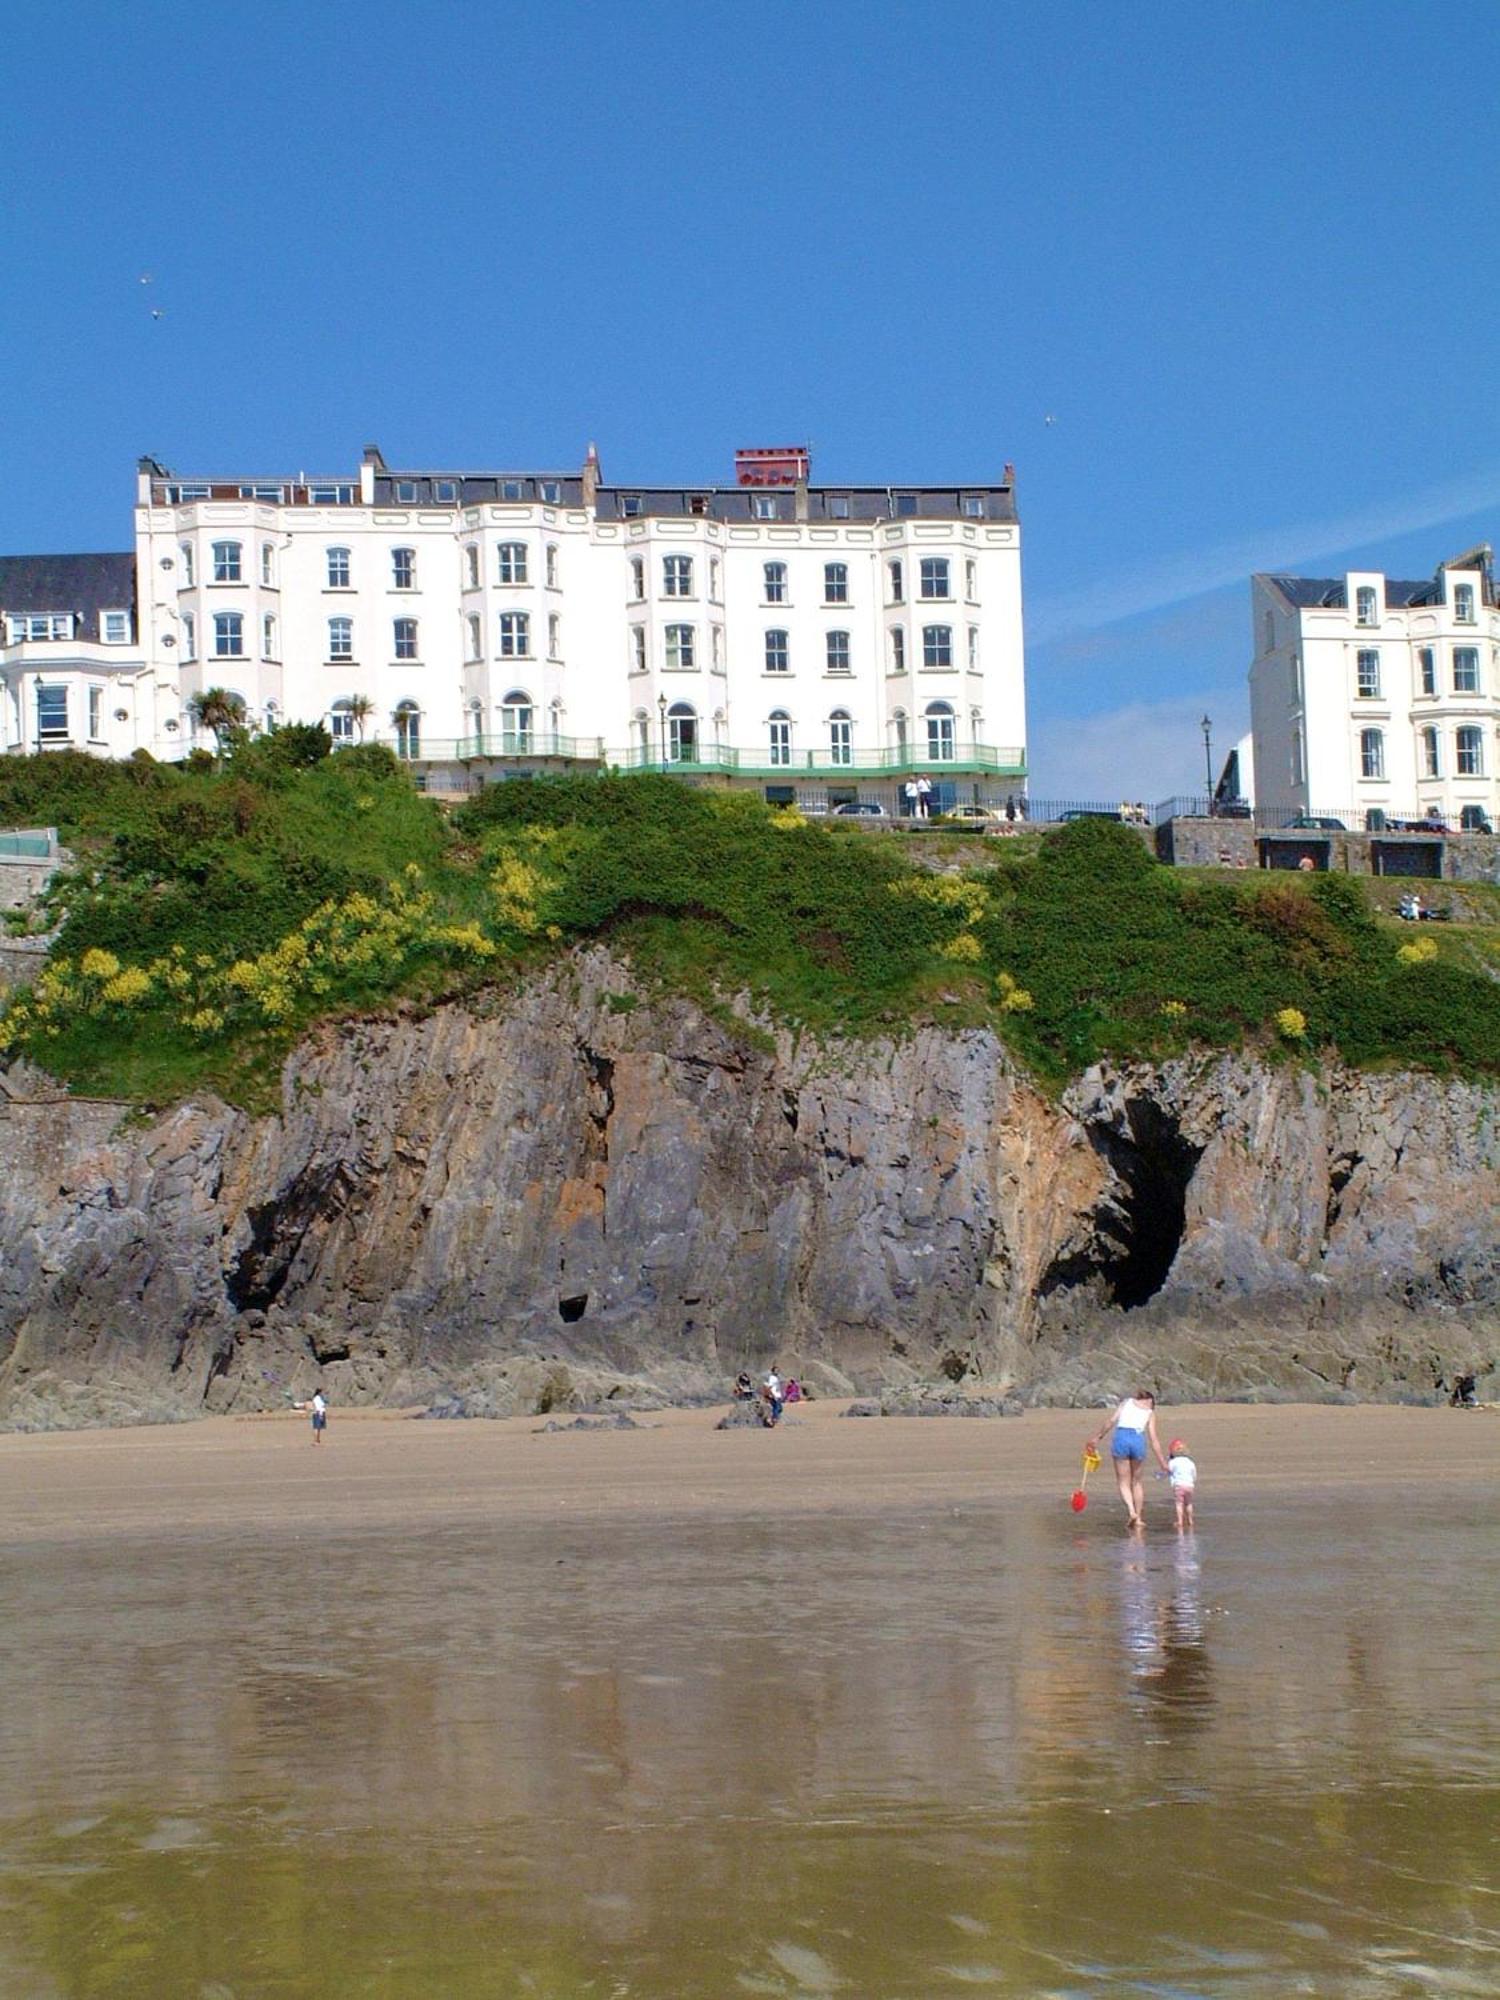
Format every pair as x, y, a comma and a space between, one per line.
954, 758
532, 743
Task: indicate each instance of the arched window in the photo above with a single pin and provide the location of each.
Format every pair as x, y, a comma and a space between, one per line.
471, 566
515, 635
516, 717
338, 569
840, 737
227, 562
408, 721
682, 654
637, 578
1469, 743
779, 724
341, 638
677, 576
839, 661
643, 733
778, 652
476, 640
836, 583
510, 562
404, 636
775, 575
898, 730
682, 733
341, 722
1431, 754
1367, 673
403, 569
941, 744
552, 565
1364, 605
1371, 753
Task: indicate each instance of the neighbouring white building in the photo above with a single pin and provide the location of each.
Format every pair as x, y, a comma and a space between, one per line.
72, 671
1375, 701
814, 642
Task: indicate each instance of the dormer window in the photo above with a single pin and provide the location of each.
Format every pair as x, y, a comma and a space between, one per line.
114, 628
27, 628
406, 489
1364, 605
765, 507
1463, 603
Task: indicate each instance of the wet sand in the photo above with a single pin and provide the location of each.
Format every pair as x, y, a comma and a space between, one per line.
378, 1467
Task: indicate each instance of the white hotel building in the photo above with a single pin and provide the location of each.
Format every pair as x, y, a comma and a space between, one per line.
1375, 701
812, 642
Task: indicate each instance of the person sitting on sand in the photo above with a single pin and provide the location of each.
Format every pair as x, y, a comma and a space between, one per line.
793, 1392
1183, 1475
1134, 1426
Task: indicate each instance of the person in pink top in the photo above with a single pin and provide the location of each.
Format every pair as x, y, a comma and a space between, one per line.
1134, 1427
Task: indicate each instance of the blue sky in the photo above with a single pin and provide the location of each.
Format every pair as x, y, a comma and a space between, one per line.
1242, 255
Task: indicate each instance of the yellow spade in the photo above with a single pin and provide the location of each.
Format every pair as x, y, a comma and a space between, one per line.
1090, 1464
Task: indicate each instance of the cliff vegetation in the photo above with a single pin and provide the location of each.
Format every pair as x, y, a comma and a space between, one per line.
220, 909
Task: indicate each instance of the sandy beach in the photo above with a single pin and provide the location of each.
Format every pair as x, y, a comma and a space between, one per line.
381, 1467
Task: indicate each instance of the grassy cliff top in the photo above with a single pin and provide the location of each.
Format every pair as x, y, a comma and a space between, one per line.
217, 911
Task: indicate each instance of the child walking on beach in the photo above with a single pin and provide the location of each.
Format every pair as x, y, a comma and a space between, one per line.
319, 1416
1183, 1474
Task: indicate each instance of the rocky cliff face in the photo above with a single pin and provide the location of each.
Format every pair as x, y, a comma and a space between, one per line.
583, 1192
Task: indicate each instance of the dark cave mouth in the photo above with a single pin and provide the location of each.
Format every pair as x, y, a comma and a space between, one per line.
1139, 1225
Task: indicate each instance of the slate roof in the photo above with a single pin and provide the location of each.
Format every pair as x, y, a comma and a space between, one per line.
1326, 593
84, 585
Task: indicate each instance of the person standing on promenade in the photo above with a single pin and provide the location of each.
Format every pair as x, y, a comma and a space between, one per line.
1134, 1427
319, 1416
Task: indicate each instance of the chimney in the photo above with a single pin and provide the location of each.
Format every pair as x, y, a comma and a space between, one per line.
1008, 477
591, 475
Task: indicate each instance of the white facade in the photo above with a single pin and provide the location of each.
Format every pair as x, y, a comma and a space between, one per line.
789, 637
1375, 700
72, 674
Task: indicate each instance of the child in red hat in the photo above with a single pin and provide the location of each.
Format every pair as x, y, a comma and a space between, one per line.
1183, 1475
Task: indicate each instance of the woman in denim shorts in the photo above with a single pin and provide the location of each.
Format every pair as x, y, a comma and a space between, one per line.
1134, 1427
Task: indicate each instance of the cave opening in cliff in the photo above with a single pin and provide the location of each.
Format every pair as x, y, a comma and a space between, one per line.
1138, 1226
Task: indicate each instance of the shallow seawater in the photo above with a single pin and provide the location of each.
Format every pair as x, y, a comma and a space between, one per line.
1003, 1752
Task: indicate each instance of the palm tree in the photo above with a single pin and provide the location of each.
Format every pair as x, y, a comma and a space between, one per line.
220, 710
359, 708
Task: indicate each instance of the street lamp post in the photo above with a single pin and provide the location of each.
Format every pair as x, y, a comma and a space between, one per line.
661, 710
1208, 760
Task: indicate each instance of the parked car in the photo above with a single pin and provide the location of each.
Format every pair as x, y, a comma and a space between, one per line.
974, 815
859, 809
1088, 812
1231, 809
1316, 823
1474, 819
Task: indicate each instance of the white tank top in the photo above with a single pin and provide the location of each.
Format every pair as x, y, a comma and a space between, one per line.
1133, 1416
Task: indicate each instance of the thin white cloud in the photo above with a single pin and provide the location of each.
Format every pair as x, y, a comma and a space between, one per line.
1199, 571
1149, 750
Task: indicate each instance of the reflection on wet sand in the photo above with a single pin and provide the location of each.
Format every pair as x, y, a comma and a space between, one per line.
878, 1756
